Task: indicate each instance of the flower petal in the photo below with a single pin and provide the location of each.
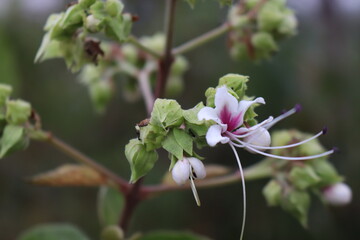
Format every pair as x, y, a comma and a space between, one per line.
180, 171
244, 105
208, 113
223, 99
198, 167
213, 135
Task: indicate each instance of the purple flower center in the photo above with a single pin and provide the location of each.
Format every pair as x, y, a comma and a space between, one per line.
227, 118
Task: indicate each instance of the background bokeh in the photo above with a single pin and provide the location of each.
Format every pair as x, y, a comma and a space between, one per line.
319, 68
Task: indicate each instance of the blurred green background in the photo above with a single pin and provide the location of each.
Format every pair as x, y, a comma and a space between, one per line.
319, 68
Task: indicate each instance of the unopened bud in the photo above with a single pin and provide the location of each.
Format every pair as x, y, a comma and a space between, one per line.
114, 7
264, 41
338, 194
112, 232
5, 91
260, 138
92, 23
17, 111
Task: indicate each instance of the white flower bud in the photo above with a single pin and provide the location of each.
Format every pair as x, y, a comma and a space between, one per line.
186, 168
338, 194
261, 138
92, 23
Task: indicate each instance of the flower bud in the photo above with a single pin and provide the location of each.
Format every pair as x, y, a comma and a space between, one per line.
264, 41
180, 66
101, 94
92, 24
17, 111
269, 17
288, 25
260, 138
187, 167
86, 3
338, 194
5, 91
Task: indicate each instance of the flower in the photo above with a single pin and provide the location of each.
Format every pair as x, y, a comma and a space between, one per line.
231, 128
338, 194
189, 169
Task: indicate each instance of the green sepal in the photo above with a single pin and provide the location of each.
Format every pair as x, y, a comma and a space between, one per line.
192, 123
297, 203
235, 82
17, 111
272, 193
264, 44
141, 161
326, 172
303, 177
166, 113
5, 92
269, 17
152, 136
86, 3
13, 139
210, 97
101, 94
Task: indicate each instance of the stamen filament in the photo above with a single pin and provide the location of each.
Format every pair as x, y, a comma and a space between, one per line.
289, 158
282, 147
243, 189
193, 187
282, 116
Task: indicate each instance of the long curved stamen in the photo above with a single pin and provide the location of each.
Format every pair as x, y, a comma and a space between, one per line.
285, 146
289, 158
243, 189
252, 129
193, 188
295, 109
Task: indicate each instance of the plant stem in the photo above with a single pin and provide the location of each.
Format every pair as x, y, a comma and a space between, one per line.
204, 38
145, 88
80, 157
133, 40
166, 61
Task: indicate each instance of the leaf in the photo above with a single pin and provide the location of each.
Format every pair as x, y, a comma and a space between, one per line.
172, 146
110, 202
141, 161
297, 203
190, 115
171, 235
303, 177
53, 232
166, 113
184, 140
70, 175
12, 140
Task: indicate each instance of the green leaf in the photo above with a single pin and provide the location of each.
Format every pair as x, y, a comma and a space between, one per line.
169, 235
190, 115
303, 177
184, 140
141, 161
297, 203
172, 146
272, 193
166, 113
326, 171
236, 82
12, 139
53, 232
110, 203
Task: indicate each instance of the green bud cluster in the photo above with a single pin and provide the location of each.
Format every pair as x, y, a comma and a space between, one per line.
13, 115
66, 32
294, 181
257, 37
177, 130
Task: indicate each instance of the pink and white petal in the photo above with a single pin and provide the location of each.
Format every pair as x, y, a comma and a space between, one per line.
198, 167
208, 113
181, 171
245, 104
213, 135
224, 99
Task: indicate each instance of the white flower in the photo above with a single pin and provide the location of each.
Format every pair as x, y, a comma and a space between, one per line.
338, 194
230, 128
189, 169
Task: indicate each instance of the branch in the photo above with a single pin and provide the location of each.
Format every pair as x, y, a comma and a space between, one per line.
144, 84
133, 40
204, 38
